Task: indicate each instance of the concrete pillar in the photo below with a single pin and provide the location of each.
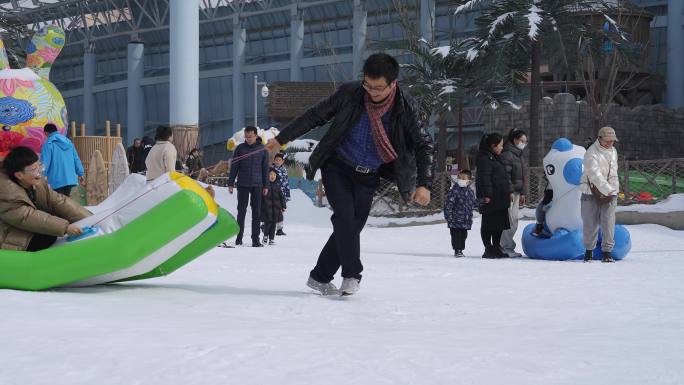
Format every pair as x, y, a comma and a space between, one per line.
88, 84
239, 39
359, 22
296, 44
427, 20
184, 74
675, 54
136, 119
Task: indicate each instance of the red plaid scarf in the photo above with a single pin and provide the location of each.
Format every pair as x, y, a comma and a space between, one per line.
375, 113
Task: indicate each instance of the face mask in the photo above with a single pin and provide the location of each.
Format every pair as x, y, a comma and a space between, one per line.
462, 183
521, 146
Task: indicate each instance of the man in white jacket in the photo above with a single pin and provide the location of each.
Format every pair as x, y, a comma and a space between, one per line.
601, 172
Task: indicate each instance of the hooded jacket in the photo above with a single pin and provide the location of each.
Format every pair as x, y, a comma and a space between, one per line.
62, 164
492, 181
512, 157
21, 218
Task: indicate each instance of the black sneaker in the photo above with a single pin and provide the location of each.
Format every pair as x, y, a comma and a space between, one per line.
238, 242
257, 244
588, 254
264, 240
607, 257
271, 242
280, 232
458, 254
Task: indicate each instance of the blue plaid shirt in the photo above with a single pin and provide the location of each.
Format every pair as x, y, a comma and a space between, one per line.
359, 148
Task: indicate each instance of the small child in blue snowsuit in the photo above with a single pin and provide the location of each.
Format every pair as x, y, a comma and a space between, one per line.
281, 170
458, 211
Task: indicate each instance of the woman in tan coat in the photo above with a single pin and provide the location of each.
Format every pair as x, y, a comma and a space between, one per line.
32, 215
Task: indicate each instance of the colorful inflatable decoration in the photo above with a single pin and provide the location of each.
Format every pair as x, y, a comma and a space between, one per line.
28, 100
265, 135
143, 230
563, 168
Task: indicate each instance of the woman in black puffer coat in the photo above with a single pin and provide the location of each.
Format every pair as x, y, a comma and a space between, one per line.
272, 206
494, 191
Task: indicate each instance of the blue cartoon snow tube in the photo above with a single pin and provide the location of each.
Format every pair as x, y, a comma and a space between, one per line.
564, 245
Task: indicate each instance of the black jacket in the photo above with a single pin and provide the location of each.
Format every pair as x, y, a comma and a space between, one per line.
251, 170
512, 157
414, 164
492, 181
273, 203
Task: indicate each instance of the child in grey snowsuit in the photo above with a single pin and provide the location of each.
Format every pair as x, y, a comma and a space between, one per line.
458, 211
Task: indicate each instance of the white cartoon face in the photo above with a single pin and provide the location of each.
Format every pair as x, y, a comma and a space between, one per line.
563, 167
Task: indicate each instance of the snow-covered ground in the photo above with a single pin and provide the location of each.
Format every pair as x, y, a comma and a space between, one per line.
244, 316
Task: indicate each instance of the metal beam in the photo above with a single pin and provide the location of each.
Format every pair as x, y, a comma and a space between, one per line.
135, 126
296, 44
360, 24
675, 54
89, 68
239, 42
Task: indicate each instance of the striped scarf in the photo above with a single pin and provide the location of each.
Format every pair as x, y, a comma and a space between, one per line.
375, 113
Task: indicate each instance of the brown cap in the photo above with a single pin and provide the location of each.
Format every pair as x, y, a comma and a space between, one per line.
607, 133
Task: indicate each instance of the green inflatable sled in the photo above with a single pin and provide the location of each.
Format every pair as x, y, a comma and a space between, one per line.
143, 230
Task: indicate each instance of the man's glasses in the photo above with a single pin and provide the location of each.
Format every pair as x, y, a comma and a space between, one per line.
37, 171
374, 89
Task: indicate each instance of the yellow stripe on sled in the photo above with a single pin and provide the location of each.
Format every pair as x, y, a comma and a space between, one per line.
187, 183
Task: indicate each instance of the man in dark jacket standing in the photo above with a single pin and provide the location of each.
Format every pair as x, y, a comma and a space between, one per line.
133, 152
250, 166
375, 131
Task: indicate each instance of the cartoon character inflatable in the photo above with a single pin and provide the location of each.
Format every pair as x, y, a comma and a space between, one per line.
265, 135
28, 100
143, 230
563, 168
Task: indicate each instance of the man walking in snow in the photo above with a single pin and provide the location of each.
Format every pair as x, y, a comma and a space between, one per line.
63, 167
376, 131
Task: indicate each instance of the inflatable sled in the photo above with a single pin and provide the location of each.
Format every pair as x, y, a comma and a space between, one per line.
564, 245
143, 230
563, 167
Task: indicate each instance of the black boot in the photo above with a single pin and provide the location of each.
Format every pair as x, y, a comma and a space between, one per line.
588, 254
492, 252
607, 257
280, 232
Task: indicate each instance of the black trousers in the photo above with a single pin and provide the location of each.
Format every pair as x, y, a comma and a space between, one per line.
350, 195
251, 195
40, 242
491, 237
269, 230
458, 238
66, 190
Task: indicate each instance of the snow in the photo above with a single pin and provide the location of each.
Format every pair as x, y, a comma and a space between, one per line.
243, 316
472, 54
534, 19
442, 51
513, 105
499, 20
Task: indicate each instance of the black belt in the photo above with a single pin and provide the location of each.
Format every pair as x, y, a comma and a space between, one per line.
356, 167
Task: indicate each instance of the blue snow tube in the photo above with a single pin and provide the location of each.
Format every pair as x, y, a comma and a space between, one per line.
566, 245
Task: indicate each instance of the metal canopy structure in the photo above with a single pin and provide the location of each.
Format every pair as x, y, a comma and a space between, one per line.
116, 64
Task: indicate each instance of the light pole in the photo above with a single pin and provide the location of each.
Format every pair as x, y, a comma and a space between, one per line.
264, 93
